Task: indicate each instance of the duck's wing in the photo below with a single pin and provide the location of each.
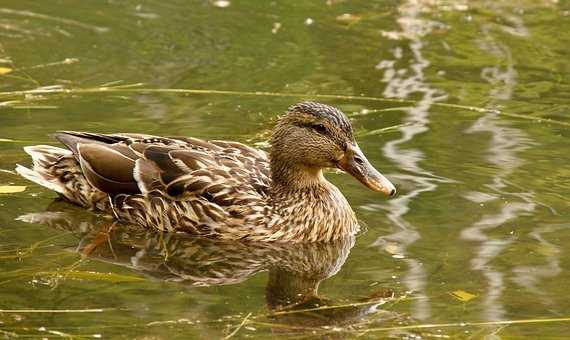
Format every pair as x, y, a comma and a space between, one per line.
177, 166
106, 161
215, 166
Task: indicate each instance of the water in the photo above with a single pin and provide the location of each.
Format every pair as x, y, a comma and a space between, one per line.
482, 209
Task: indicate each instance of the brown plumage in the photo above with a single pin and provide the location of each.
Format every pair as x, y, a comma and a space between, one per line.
218, 189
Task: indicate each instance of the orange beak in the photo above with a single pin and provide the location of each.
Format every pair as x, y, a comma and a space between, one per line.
355, 163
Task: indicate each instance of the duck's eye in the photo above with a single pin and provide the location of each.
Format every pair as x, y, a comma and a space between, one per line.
320, 128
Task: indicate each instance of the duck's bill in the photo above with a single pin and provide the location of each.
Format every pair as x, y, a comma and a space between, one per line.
355, 163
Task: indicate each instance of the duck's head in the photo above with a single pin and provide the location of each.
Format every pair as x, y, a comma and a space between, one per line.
311, 136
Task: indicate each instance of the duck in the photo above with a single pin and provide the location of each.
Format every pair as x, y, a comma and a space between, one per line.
213, 188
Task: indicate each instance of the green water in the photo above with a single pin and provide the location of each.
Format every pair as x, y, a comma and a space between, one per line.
482, 208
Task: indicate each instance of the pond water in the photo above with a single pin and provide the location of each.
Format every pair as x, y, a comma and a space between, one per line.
463, 105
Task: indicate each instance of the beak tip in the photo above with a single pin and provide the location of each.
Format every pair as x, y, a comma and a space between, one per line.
389, 191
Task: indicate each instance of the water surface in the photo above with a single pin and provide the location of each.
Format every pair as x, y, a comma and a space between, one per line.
479, 232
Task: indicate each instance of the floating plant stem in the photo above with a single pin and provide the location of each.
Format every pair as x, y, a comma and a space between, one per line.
134, 88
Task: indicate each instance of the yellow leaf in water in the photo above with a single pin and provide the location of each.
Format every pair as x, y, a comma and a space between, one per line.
4, 70
11, 189
6, 140
462, 295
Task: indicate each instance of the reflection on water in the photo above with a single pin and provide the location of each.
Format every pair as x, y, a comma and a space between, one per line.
530, 277
401, 83
502, 76
506, 143
13, 28
295, 271
483, 199
503, 148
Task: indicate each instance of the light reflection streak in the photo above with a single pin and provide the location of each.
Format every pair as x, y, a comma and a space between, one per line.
504, 148
529, 277
400, 83
506, 143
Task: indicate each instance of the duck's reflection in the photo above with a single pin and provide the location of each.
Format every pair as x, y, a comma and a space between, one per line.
294, 270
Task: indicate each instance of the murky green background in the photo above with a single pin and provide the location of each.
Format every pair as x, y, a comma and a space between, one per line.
482, 209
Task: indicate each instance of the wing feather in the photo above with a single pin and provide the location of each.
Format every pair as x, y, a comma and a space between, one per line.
107, 169
174, 183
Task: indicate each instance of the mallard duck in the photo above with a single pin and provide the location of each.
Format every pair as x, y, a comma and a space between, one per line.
219, 189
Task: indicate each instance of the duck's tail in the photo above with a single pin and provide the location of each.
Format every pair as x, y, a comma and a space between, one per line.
45, 157
58, 170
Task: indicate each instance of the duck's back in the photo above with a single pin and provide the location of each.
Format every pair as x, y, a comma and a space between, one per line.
174, 184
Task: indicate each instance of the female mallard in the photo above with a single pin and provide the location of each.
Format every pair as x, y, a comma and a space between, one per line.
218, 189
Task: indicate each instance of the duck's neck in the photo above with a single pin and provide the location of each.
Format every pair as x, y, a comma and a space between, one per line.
289, 177
308, 207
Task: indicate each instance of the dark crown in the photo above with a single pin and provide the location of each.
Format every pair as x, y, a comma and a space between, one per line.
332, 114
